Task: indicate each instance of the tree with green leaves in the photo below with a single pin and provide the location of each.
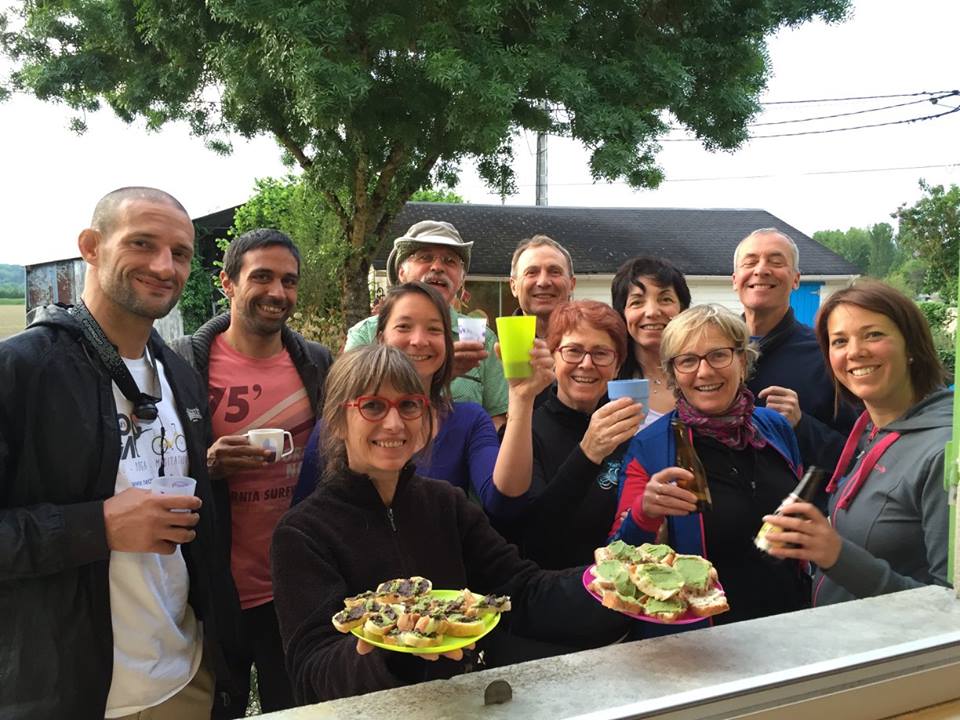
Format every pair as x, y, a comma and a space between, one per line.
873, 250
375, 100
930, 233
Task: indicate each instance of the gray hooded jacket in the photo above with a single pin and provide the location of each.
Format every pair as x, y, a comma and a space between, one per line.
895, 530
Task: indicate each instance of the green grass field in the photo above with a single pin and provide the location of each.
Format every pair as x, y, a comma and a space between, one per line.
11, 317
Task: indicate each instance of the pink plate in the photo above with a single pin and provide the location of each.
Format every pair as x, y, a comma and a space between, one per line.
685, 619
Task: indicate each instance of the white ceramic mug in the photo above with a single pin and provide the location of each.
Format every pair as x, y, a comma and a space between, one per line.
274, 439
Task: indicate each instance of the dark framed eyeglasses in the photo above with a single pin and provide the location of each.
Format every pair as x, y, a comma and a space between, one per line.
574, 354
718, 359
374, 407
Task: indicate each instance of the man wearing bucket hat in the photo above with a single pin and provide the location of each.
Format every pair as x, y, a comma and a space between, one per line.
432, 252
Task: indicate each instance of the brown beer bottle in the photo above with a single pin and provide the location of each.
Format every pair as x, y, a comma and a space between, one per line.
688, 459
805, 491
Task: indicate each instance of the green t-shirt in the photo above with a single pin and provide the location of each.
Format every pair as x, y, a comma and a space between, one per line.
484, 384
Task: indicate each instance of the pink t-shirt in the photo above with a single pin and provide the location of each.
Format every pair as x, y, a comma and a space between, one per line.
248, 393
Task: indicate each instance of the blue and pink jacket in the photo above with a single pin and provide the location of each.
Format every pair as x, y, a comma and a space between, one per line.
653, 450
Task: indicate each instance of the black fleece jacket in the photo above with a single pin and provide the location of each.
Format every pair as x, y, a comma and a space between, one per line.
342, 540
574, 499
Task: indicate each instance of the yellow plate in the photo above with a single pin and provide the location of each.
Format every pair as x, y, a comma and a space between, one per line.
449, 642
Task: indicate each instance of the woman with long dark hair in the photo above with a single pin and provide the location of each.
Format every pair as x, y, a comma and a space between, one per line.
648, 293
413, 318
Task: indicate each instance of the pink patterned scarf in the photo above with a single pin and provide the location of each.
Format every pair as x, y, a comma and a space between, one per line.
734, 428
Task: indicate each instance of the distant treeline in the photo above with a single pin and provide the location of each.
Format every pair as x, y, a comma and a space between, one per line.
13, 282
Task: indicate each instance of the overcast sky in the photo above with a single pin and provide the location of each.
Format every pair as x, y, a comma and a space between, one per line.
52, 178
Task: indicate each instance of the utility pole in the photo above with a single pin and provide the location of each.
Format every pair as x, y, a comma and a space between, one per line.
542, 169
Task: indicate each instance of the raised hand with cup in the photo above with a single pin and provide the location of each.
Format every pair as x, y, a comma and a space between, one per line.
612, 424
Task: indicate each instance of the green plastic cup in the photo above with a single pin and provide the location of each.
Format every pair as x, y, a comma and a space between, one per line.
517, 333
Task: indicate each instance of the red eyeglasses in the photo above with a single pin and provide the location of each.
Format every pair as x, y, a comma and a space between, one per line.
374, 407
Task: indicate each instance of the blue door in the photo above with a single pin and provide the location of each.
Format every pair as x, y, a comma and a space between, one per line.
805, 301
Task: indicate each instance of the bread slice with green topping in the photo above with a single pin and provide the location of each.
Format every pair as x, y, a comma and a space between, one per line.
667, 611
698, 573
658, 581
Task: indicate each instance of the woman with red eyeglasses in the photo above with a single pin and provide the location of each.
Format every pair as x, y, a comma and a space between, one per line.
372, 518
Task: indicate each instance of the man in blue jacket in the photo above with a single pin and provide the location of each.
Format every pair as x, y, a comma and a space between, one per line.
791, 376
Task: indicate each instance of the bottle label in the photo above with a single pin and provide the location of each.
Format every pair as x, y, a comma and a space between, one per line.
764, 541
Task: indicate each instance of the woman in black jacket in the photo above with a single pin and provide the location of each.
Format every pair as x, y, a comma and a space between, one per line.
372, 519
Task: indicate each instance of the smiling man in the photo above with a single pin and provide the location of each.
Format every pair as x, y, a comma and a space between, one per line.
432, 252
790, 376
541, 277
110, 601
260, 374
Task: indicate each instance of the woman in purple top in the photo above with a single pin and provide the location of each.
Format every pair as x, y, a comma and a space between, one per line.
414, 319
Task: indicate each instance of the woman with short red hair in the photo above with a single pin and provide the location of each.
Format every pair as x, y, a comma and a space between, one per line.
567, 453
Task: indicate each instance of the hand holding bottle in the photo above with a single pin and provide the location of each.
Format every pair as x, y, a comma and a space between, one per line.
804, 527
664, 496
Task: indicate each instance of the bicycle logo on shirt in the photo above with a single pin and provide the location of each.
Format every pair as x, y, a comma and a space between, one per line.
171, 440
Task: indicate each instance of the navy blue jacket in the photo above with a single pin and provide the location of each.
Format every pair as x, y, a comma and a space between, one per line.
790, 357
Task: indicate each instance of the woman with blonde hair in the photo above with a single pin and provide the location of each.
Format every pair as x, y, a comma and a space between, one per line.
750, 456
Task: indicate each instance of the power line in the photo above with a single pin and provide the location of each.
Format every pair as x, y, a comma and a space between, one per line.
934, 100
767, 176
862, 97
832, 130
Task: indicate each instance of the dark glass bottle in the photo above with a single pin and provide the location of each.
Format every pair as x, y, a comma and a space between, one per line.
688, 459
805, 491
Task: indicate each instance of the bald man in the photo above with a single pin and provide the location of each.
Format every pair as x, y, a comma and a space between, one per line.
111, 593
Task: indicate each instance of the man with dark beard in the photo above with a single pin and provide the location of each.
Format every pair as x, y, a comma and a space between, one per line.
260, 374
111, 603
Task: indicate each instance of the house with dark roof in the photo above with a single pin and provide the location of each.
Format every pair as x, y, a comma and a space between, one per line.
699, 241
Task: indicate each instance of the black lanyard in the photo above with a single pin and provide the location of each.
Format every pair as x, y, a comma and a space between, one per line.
144, 405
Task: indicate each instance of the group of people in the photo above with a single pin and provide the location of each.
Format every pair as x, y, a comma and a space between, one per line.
413, 455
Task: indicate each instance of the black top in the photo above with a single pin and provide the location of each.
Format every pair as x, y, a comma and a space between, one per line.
342, 540
745, 485
59, 453
574, 500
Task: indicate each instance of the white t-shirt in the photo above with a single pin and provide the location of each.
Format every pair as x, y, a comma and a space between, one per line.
157, 641
650, 418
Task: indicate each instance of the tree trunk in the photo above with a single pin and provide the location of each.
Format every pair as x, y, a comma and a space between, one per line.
356, 290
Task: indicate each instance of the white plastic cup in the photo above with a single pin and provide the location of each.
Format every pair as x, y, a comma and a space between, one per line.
273, 439
173, 485
472, 329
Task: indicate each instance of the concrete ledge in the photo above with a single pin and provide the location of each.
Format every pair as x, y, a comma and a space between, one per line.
650, 677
